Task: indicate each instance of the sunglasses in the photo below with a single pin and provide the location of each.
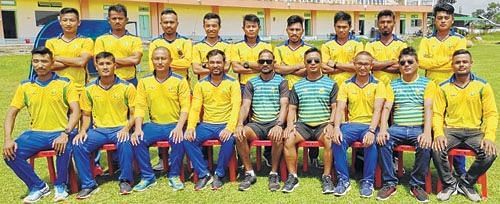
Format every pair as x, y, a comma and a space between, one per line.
310, 61
410, 62
268, 61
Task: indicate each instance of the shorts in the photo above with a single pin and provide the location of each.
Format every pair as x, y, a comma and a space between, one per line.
310, 133
261, 129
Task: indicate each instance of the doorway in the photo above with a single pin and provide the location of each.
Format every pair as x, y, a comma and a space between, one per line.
9, 24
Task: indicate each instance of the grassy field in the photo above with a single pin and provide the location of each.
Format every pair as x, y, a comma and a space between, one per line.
15, 69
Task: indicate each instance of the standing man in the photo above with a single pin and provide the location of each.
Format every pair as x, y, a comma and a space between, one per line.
465, 116
212, 40
411, 98
385, 48
220, 97
310, 116
267, 96
109, 101
71, 51
48, 99
339, 52
166, 97
364, 97
179, 46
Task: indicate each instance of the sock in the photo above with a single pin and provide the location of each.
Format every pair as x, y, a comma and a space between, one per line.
295, 175
251, 172
273, 173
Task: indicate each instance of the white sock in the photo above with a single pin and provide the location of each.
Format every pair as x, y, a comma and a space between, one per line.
273, 173
295, 175
251, 172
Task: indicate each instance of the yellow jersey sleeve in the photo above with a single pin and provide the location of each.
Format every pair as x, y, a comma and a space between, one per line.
18, 101
141, 105
235, 57
380, 91
72, 94
88, 46
343, 94
98, 46
439, 106
277, 54
194, 113
430, 90
136, 45
235, 103
196, 54
185, 61
185, 95
358, 48
86, 101
325, 54
130, 92
369, 47
427, 59
490, 113
390, 93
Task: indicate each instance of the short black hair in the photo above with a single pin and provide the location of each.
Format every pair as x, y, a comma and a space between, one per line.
342, 16
104, 54
293, 19
311, 50
168, 11
266, 51
215, 52
119, 8
209, 16
446, 7
386, 13
251, 18
67, 10
462, 52
42, 50
408, 51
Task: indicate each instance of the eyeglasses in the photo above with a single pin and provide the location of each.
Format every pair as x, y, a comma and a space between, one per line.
315, 60
262, 61
410, 62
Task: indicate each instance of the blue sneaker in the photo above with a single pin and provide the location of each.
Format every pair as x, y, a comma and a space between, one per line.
176, 183
35, 195
342, 188
366, 189
61, 193
144, 185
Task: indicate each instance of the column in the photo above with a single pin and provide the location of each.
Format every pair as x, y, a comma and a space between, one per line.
356, 22
155, 19
314, 18
424, 23
215, 9
84, 9
397, 25
267, 17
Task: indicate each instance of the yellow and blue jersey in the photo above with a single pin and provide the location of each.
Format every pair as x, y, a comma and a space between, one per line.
382, 52
241, 52
345, 53
287, 56
180, 51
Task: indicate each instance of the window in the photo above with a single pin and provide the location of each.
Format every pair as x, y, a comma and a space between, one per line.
44, 17
8, 2
262, 20
415, 21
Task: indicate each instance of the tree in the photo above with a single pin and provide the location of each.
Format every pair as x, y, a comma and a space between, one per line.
492, 12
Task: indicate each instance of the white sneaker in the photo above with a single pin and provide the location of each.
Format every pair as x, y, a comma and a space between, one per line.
61, 193
35, 196
158, 166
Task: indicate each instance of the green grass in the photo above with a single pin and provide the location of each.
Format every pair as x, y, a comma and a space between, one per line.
14, 69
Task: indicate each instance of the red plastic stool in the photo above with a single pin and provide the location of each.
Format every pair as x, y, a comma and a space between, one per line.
408, 148
305, 159
50, 154
378, 171
163, 147
109, 148
258, 155
233, 165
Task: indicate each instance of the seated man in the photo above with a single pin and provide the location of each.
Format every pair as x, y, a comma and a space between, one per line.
165, 95
108, 100
220, 97
364, 97
411, 98
267, 95
465, 115
311, 110
48, 99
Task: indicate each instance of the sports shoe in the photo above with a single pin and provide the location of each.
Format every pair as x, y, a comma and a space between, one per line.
342, 188
125, 188
247, 182
446, 193
203, 182
386, 192
469, 191
267, 159
144, 185
366, 190
274, 182
158, 166
419, 194
217, 183
327, 184
87, 192
291, 183
176, 183
36, 195
60, 193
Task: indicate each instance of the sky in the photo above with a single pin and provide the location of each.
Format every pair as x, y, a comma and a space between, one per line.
469, 6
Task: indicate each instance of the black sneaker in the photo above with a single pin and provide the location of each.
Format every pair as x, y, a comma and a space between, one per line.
291, 183
446, 193
419, 194
247, 182
87, 192
203, 182
469, 191
327, 184
386, 192
274, 182
217, 183
125, 188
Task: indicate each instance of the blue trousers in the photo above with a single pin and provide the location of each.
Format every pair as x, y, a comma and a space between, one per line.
204, 132
152, 133
28, 144
354, 132
96, 138
404, 135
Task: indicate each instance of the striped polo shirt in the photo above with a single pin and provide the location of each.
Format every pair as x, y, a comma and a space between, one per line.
314, 99
265, 97
408, 99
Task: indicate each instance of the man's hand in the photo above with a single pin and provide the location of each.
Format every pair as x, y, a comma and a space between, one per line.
489, 147
337, 136
289, 132
190, 135
123, 134
275, 133
382, 137
225, 134
368, 139
80, 138
9, 149
59, 144
136, 137
240, 133
177, 135
440, 143
425, 140
329, 131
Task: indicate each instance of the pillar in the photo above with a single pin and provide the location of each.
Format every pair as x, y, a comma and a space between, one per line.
215, 9
84, 9
314, 19
397, 25
424, 23
267, 17
356, 22
155, 18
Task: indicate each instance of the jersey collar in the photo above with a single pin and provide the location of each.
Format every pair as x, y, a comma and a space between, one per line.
117, 80
177, 35
371, 79
246, 39
219, 39
45, 83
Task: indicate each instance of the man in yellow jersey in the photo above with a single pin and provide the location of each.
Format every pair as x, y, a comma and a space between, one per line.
220, 97
364, 97
245, 53
179, 46
126, 48
212, 40
48, 99
339, 52
109, 101
166, 97
71, 51
465, 115
385, 48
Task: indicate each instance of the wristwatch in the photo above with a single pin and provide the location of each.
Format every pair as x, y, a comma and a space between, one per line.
204, 65
372, 130
246, 65
279, 123
67, 131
